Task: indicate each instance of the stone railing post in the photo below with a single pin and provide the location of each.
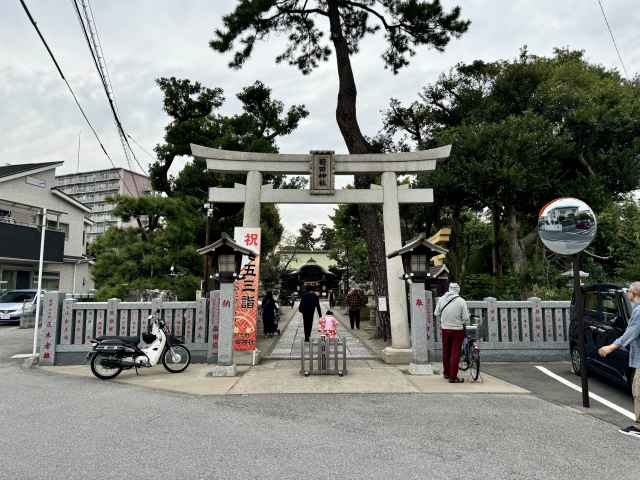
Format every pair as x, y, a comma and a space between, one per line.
67, 320
112, 315
492, 319
536, 319
156, 307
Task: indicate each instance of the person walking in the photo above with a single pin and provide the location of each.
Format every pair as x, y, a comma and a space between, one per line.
453, 313
309, 303
354, 303
631, 338
332, 299
269, 314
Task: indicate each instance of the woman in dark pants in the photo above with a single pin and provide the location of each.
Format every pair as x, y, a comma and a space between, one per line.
269, 314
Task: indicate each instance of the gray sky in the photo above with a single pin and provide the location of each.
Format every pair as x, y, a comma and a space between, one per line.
146, 39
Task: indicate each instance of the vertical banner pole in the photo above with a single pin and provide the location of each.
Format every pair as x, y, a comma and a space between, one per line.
38, 295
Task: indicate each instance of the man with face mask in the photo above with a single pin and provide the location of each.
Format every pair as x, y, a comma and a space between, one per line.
631, 338
453, 313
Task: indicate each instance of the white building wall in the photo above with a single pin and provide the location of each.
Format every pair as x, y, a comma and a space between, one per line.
66, 271
18, 190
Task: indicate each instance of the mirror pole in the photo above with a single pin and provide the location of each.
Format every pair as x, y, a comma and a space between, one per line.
579, 315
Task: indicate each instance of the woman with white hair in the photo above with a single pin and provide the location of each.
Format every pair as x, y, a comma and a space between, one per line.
454, 314
631, 338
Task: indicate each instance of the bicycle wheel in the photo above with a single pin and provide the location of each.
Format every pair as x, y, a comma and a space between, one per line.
475, 363
464, 357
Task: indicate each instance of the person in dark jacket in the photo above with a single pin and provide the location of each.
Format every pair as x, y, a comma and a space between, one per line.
269, 314
309, 303
355, 300
332, 299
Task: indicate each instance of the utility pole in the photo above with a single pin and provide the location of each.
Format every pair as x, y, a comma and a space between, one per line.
578, 310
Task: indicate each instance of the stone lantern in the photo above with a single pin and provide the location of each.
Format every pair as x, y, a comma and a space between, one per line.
225, 256
416, 260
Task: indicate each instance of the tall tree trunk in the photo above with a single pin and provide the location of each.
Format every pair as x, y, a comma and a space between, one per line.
497, 254
516, 248
457, 247
346, 117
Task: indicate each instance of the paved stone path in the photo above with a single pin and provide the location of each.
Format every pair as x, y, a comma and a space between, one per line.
288, 345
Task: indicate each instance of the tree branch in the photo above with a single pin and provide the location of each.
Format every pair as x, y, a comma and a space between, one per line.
585, 164
372, 11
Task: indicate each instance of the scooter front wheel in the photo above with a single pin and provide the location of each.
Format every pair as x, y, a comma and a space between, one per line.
101, 371
176, 359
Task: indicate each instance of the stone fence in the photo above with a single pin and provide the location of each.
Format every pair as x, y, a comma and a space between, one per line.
531, 330
68, 325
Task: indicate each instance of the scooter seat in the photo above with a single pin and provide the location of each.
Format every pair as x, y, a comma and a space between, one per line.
111, 338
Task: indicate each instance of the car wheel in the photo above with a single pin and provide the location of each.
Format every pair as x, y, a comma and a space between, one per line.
576, 361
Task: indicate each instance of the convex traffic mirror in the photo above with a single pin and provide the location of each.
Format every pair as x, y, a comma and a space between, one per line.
567, 226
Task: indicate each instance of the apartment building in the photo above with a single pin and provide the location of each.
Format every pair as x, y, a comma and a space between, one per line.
93, 189
25, 190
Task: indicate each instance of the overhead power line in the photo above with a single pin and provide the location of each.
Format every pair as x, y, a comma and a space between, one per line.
613, 38
95, 48
91, 22
150, 155
75, 98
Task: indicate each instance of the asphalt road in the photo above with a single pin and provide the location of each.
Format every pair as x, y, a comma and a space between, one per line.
58, 427
525, 375
14, 340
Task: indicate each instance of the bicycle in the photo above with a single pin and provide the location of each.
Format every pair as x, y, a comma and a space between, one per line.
470, 351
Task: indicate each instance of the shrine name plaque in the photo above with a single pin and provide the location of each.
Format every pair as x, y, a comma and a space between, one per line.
322, 172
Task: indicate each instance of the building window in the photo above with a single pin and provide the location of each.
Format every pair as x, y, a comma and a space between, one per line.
50, 280
8, 280
61, 227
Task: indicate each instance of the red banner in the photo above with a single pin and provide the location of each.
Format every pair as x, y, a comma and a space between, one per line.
247, 292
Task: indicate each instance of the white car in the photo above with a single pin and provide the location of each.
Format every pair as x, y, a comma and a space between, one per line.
15, 303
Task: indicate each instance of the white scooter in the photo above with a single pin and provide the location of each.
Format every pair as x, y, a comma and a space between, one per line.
113, 354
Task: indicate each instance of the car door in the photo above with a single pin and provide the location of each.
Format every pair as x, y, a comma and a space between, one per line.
613, 324
592, 322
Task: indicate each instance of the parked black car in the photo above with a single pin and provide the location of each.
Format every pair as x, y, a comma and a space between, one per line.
607, 311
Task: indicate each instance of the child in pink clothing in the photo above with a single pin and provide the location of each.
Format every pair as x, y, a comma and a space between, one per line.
328, 325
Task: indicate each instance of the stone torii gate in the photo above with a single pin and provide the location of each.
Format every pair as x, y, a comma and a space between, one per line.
323, 166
